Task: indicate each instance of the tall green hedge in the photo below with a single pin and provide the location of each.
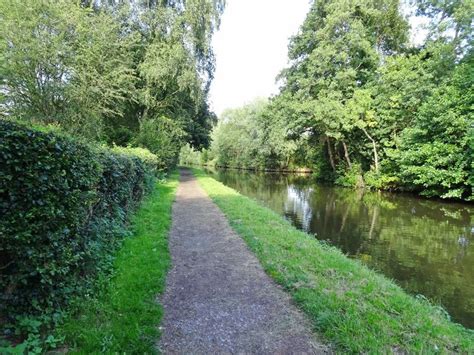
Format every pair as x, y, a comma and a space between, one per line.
63, 208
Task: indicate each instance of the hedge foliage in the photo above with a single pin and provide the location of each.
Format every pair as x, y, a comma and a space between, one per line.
63, 207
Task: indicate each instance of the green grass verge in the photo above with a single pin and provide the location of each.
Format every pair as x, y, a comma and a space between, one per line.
124, 317
355, 308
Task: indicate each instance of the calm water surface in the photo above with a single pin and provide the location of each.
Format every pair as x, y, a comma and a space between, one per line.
426, 246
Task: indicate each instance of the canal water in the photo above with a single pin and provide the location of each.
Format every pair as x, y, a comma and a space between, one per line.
426, 246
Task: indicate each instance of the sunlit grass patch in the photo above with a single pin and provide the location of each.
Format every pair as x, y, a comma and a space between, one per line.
355, 308
124, 318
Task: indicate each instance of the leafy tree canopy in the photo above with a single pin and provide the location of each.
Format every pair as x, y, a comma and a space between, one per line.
101, 69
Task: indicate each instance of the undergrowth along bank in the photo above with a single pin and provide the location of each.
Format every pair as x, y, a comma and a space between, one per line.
355, 308
124, 317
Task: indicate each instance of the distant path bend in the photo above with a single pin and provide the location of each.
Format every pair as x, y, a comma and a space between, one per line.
218, 299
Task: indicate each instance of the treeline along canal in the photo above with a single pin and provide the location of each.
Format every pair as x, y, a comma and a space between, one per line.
427, 246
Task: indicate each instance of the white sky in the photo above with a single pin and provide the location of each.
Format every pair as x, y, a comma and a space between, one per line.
251, 48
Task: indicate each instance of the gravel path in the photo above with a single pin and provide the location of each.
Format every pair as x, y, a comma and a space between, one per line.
218, 299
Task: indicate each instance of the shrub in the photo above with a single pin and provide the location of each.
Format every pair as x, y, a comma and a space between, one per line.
163, 137
64, 206
188, 156
350, 177
380, 181
151, 161
145, 155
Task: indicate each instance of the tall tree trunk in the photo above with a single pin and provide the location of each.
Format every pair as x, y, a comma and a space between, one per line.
375, 215
331, 156
346, 155
374, 146
344, 218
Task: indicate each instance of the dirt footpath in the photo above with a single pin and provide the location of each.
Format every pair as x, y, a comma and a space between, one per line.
218, 299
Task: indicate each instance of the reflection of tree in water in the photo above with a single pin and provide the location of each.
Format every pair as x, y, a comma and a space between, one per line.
297, 204
425, 257
427, 246
414, 241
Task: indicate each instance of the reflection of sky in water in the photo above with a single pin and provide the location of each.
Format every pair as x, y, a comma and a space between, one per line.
297, 203
427, 246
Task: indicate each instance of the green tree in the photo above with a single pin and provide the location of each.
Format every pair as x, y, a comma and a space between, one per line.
63, 65
450, 22
335, 54
436, 155
100, 69
163, 137
252, 136
358, 102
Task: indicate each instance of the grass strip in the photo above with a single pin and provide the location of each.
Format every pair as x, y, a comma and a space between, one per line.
124, 318
355, 308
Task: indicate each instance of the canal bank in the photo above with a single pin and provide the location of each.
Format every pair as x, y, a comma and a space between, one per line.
357, 309
218, 299
426, 246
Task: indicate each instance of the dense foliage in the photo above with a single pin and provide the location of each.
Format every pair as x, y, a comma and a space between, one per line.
64, 207
111, 70
132, 75
362, 106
